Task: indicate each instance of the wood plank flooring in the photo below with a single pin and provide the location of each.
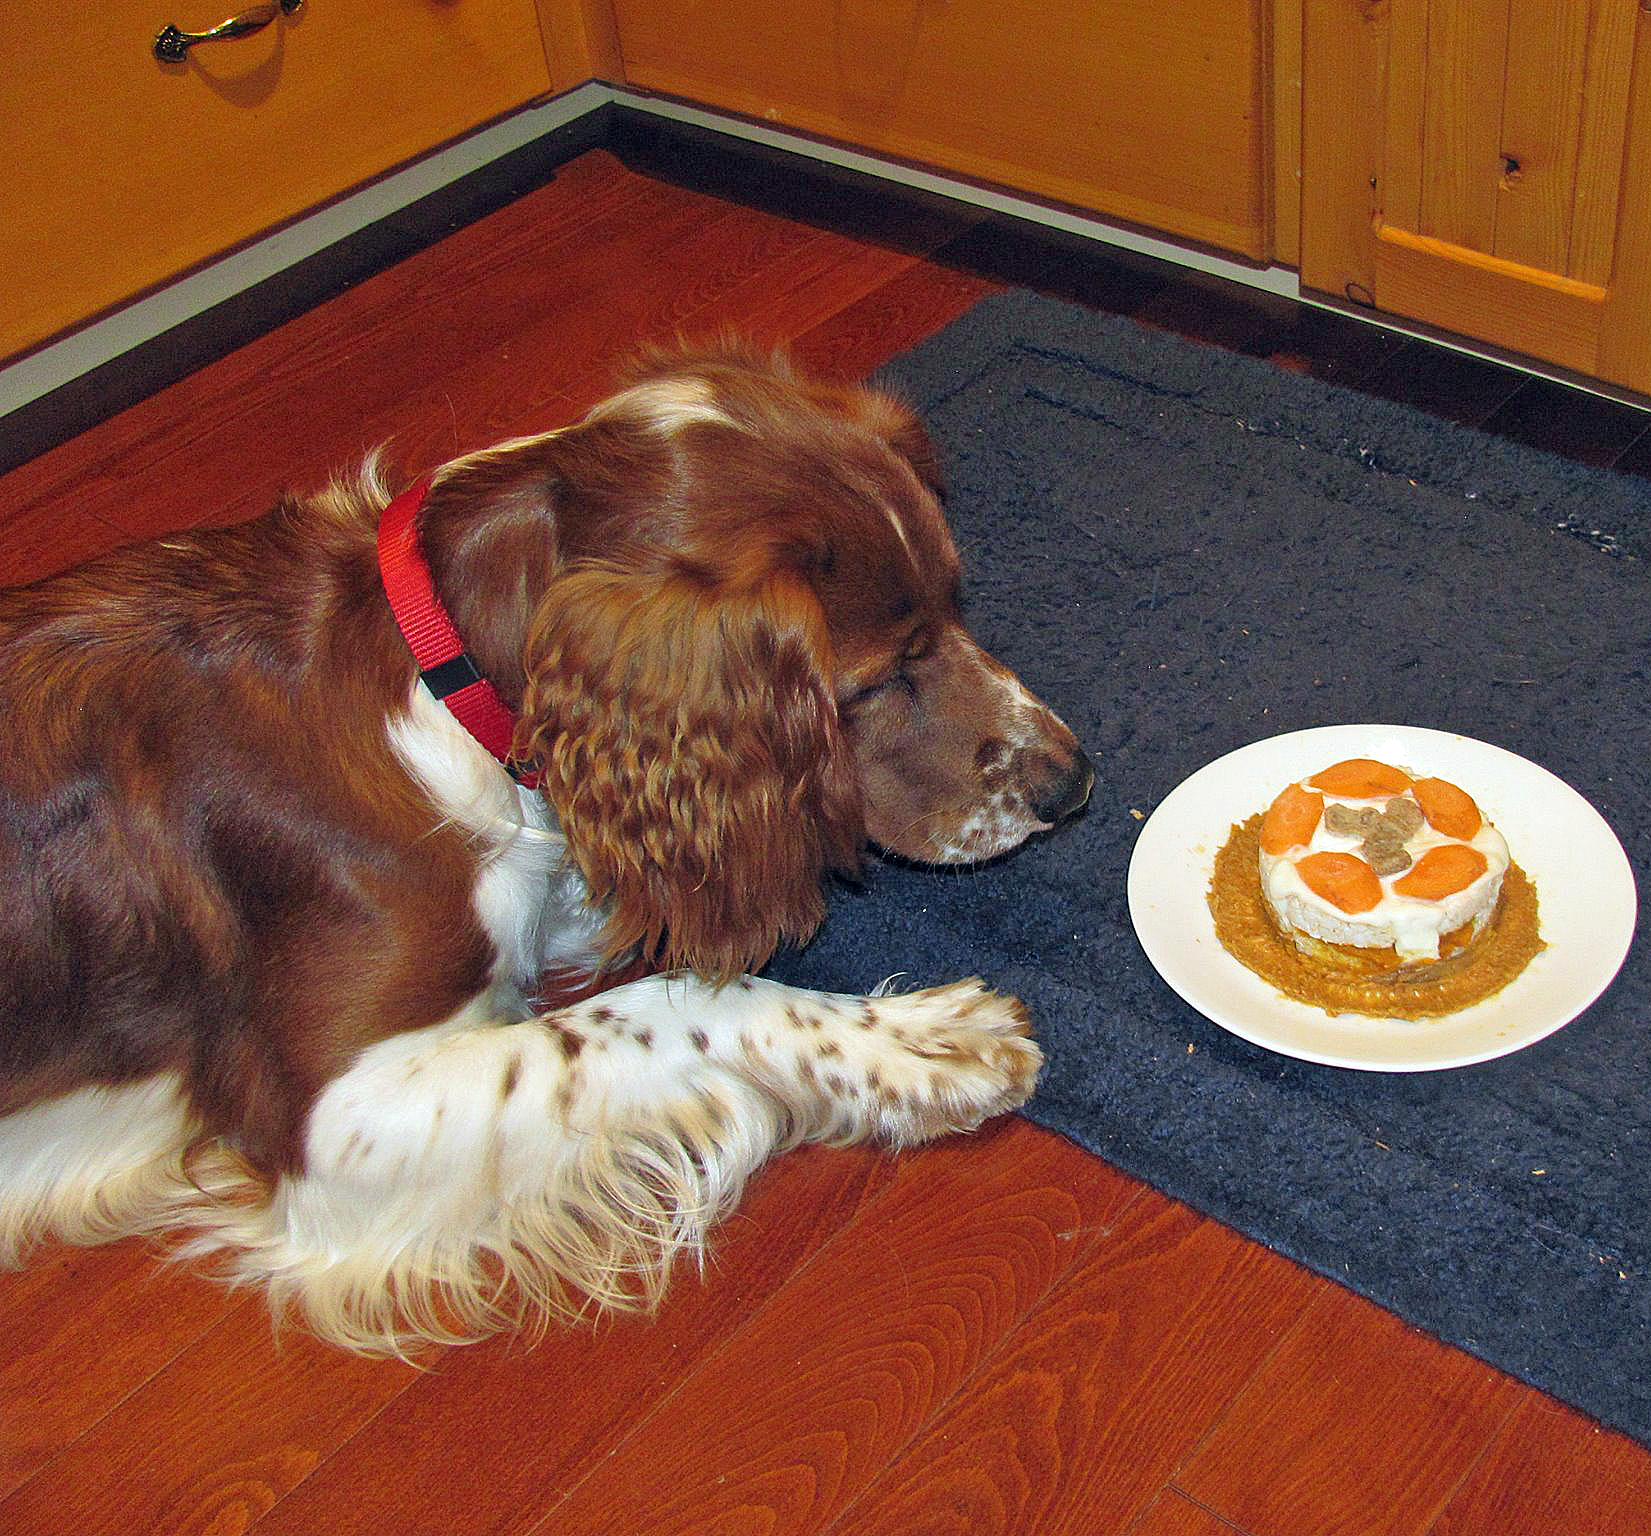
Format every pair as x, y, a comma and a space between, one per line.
996, 1334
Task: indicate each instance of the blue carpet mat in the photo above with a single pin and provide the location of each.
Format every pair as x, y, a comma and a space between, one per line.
1184, 551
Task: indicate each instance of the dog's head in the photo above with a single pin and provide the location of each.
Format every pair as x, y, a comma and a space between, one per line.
732, 623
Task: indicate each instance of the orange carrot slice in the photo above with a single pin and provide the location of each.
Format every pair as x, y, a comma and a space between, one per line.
1290, 819
1448, 809
1442, 871
1342, 879
1361, 778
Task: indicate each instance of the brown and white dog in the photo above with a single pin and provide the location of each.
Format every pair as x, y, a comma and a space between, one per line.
273, 921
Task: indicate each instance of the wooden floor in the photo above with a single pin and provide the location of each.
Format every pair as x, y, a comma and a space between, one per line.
998, 1334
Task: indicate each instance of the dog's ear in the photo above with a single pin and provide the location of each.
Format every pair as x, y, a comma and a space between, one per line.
895, 422
691, 750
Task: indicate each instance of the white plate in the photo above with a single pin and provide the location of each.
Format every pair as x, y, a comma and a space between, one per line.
1583, 881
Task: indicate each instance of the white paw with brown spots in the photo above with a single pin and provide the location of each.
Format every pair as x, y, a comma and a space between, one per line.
946, 1059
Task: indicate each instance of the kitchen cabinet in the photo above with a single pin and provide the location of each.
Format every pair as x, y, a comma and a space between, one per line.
1484, 166
125, 170
1481, 166
1150, 113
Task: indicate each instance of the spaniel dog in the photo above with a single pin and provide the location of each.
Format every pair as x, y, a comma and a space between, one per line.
297, 817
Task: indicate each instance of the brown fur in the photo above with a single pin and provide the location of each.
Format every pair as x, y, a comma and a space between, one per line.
736, 649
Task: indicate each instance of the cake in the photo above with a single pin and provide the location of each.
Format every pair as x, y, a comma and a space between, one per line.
1374, 889
1367, 856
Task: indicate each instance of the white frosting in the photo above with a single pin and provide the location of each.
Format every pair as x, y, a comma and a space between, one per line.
1411, 924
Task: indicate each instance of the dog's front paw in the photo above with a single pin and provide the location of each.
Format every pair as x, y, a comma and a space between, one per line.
953, 1057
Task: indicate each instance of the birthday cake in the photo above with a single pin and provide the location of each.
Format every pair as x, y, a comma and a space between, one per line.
1372, 888
1367, 856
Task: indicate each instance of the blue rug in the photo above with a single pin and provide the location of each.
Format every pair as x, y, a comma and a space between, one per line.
1184, 551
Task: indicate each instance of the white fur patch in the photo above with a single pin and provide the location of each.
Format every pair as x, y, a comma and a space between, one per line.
470, 1176
529, 896
473, 1176
91, 1165
666, 405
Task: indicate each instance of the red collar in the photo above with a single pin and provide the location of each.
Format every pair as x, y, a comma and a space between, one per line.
447, 671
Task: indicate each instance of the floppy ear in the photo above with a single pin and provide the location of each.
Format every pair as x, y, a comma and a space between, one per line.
895, 422
691, 750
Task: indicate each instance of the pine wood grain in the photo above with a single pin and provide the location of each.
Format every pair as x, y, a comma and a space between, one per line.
45, 539
503, 1428
1602, 143
213, 1440
1541, 130
1467, 47
1403, 86
870, 1340
492, 333
1625, 339
858, 339
771, 304
1343, 92
59, 1371
580, 42
1147, 114
1551, 1469
1283, 62
1472, 164
1173, 1514
1078, 1422
320, 390
1360, 1425
182, 161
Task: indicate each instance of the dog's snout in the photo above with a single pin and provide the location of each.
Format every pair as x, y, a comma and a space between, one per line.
1068, 792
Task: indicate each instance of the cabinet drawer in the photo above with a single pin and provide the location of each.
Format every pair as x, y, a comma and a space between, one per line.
126, 171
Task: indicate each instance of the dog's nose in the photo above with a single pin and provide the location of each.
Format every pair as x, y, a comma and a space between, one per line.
1067, 793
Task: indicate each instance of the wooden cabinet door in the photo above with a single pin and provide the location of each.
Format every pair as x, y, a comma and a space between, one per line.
123, 171
1482, 165
1149, 112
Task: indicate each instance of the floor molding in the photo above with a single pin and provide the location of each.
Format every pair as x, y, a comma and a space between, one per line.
67, 386
1272, 279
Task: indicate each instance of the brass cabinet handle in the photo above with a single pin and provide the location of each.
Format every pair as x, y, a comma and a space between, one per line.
172, 43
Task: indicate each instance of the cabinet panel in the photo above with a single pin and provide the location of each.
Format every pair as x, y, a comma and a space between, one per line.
125, 171
1475, 164
1147, 112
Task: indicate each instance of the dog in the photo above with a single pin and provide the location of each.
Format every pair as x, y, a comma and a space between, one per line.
297, 817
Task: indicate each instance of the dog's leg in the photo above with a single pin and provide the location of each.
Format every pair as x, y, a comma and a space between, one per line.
902, 1068
461, 1178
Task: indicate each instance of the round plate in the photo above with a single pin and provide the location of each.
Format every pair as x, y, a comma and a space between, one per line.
1583, 881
